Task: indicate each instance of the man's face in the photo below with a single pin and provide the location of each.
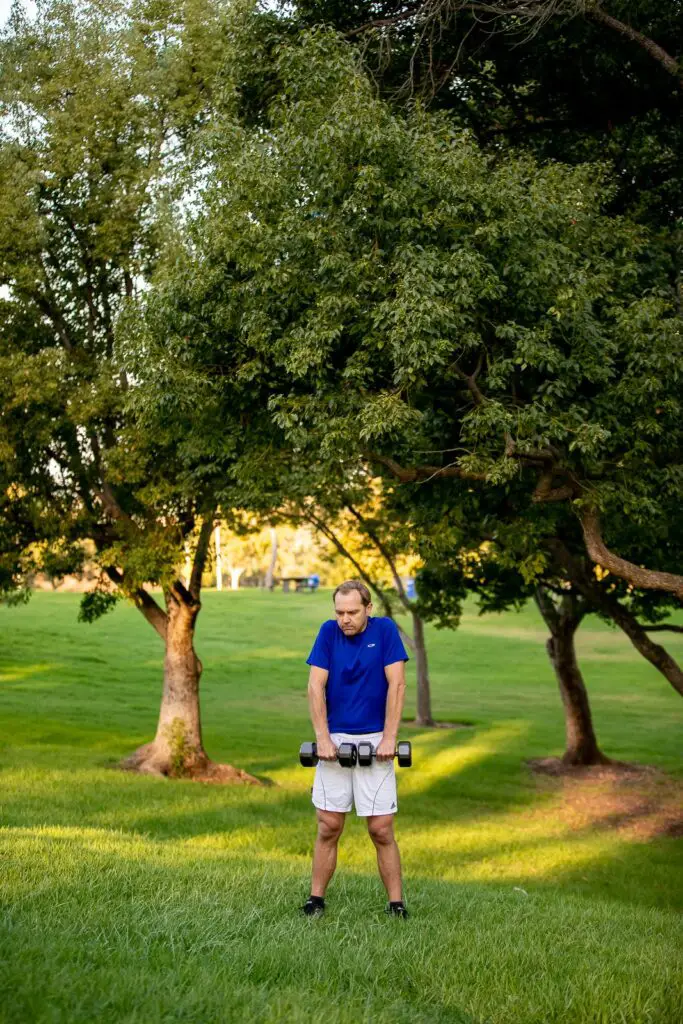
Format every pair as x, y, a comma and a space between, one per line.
352, 614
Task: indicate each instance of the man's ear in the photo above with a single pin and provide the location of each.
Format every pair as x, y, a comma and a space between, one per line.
368, 608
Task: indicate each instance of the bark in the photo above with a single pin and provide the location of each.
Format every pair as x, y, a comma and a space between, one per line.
621, 616
177, 747
424, 699
581, 745
657, 52
647, 579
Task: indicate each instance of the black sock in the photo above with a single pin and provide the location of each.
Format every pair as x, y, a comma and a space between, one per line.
318, 900
396, 903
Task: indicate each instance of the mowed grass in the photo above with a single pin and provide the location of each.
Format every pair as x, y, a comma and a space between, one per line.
130, 899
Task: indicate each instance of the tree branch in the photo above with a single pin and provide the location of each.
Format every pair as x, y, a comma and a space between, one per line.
647, 579
414, 473
200, 555
606, 603
657, 52
332, 537
386, 555
155, 615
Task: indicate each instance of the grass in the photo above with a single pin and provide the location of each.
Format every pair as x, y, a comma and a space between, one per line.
129, 899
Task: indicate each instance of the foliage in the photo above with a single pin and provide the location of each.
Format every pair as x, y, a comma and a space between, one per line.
99, 111
405, 294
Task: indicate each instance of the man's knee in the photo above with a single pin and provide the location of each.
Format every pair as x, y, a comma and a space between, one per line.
381, 829
330, 826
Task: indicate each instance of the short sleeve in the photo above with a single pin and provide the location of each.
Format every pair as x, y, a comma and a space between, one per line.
393, 645
320, 654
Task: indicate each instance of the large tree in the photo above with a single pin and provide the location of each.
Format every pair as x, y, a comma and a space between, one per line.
417, 296
99, 112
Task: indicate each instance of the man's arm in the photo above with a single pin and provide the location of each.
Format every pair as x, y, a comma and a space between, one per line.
396, 678
317, 681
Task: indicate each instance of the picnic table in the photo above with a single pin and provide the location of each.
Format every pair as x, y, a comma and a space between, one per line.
300, 582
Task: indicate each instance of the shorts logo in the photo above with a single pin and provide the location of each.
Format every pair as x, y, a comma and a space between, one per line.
393, 806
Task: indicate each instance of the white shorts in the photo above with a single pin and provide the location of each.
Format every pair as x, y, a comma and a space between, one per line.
371, 789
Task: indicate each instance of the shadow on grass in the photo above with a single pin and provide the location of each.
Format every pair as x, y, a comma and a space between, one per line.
449, 826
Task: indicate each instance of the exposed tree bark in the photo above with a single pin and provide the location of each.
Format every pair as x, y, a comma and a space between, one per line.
609, 605
596, 12
637, 575
646, 579
177, 749
424, 698
581, 745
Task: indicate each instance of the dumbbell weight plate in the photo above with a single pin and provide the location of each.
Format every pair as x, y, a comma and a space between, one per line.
347, 755
405, 754
365, 754
308, 754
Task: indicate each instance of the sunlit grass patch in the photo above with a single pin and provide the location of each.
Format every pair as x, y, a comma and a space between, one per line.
131, 899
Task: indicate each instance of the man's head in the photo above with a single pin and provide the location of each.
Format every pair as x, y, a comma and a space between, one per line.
352, 606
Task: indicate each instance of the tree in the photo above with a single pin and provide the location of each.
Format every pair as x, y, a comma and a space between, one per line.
421, 297
99, 111
405, 294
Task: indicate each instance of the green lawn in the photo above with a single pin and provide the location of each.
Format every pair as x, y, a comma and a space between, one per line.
131, 899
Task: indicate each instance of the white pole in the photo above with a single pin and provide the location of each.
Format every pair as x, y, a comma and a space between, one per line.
219, 564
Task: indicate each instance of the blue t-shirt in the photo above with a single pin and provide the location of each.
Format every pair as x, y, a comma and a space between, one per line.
356, 686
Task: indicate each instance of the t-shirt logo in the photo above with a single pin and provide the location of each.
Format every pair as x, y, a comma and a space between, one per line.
371, 645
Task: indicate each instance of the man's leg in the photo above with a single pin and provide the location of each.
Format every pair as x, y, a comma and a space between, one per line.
330, 827
381, 829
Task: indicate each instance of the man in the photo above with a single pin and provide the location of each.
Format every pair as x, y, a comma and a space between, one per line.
356, 689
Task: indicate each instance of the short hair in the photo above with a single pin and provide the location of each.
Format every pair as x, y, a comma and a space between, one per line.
349, 586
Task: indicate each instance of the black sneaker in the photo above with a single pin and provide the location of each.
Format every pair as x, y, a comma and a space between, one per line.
397, 909
313, 907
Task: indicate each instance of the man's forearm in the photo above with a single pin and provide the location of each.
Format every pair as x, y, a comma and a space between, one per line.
392, 717
318, 710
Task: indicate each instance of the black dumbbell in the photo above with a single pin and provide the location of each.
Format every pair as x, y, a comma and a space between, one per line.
346, 754
366, 752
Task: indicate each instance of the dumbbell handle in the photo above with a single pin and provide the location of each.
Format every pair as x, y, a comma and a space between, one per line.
404, 756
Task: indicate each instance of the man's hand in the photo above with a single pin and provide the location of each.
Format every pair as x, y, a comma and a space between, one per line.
386, 749
327, 751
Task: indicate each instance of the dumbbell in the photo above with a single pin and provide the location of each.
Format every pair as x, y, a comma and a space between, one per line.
366, 752
346, 754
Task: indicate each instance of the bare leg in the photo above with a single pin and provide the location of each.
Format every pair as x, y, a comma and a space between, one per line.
330, 827
381, 830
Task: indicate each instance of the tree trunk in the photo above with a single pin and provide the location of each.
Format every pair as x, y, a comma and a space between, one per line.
270, 573
176, 749
652, 652
583, 580
424, 700
581, 746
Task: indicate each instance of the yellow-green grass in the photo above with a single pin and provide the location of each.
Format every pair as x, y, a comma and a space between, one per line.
129, 899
